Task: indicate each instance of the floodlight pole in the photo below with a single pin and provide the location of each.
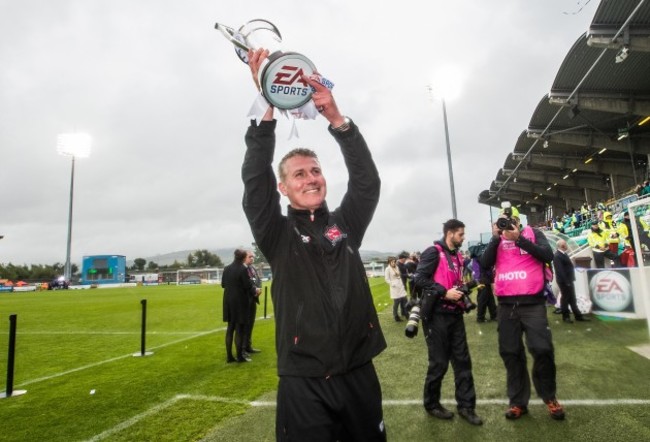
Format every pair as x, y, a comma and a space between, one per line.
67, 270
451, 171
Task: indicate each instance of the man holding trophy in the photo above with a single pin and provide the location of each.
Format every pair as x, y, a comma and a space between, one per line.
327, 330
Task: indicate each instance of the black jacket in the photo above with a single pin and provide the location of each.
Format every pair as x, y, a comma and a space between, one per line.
326, 322
238, 293
564, 269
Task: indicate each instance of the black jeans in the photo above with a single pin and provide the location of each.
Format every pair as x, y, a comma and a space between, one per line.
447, 342
515, 320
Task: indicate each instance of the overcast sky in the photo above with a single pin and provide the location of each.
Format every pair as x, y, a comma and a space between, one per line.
165, 99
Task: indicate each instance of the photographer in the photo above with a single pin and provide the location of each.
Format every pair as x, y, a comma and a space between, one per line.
519, 257
439, 275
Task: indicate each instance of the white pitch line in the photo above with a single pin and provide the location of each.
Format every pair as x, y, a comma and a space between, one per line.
388, 402
96, 364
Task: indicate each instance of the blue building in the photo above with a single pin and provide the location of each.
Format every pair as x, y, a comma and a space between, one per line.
103, 269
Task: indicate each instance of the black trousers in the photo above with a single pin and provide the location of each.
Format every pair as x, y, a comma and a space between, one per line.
447, 342
236, 330
568, 299
485, 301
342, 408
515, 320
599, 259
249, 327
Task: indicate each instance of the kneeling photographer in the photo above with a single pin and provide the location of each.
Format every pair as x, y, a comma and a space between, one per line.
444, 301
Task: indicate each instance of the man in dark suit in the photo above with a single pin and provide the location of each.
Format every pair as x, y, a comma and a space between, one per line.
237, 296
564, 276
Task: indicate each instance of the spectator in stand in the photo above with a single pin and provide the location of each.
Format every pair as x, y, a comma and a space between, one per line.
611, 230
585, 211
597, 240
646, 188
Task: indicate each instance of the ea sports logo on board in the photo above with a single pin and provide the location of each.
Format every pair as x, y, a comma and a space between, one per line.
611, 291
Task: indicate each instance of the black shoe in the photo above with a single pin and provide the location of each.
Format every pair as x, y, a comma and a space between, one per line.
245, 354
582, 319
568, 320
244, 359
252, 350
470, 416
440, 412
398, 319
480, 320
557, 311
230, 360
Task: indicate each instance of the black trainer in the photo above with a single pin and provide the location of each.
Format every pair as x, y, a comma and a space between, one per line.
440, 412
470, 416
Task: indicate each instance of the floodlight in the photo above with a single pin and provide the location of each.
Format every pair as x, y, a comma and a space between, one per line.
74, 145
622, 54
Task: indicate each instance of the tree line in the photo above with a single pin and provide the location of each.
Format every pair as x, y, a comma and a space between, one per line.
197, 259
38, 272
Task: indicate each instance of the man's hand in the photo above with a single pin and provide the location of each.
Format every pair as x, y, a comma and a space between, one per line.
453, 294
512, 235
255, 59
324, 101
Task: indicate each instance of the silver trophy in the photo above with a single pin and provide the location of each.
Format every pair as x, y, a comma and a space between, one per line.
280, 77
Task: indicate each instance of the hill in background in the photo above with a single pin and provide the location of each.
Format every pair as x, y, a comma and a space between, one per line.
226, 255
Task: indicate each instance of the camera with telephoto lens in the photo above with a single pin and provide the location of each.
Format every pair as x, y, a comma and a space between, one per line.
506, 223
413, 322
465, 289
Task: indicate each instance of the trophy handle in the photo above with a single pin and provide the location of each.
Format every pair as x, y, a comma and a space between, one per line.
229, 34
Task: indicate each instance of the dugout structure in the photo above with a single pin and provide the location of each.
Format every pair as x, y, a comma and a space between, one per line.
208, 275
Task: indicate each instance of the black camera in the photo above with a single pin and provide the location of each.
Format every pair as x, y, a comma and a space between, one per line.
506, 224
466, 301
413, 322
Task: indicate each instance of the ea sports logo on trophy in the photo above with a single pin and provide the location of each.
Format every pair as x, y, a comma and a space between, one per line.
280, 77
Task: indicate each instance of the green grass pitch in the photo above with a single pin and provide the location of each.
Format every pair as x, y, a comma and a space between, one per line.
75, 359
